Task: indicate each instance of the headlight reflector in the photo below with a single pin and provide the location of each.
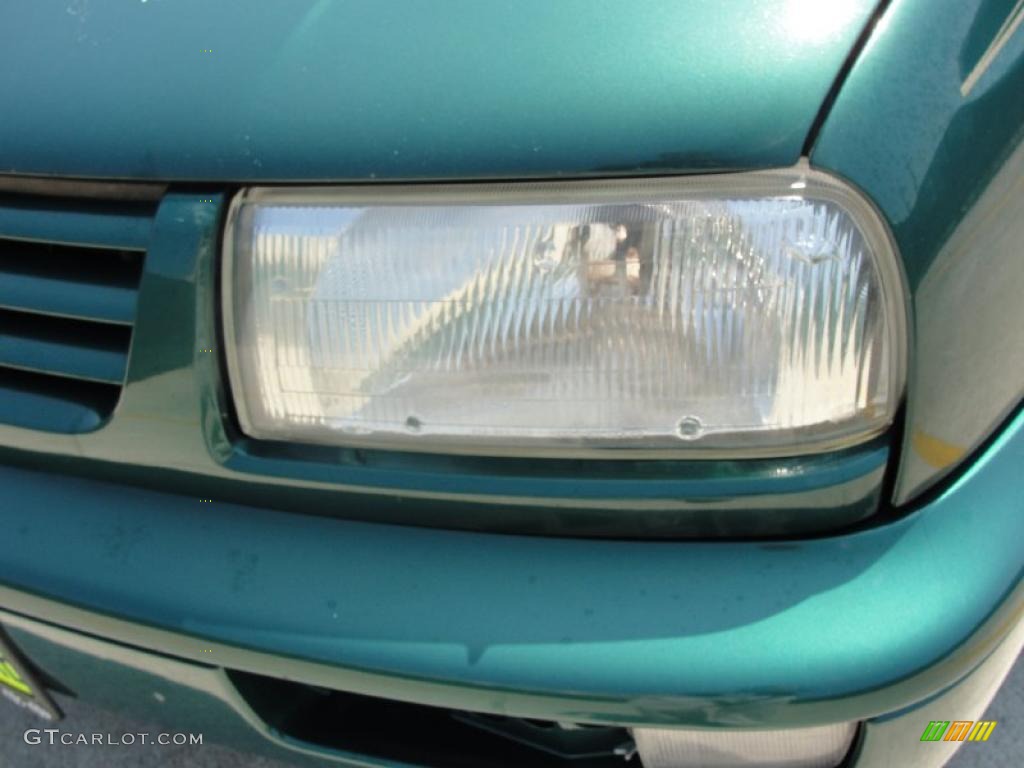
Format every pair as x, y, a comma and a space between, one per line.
741, 314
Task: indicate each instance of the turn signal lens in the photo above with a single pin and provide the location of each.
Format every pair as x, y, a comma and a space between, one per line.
822, 746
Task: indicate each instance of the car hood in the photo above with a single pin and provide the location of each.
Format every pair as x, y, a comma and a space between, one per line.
404, 89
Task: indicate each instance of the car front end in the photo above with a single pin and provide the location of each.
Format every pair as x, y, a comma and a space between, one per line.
516, 384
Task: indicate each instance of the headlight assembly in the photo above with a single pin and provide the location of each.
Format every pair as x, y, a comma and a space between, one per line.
740, 314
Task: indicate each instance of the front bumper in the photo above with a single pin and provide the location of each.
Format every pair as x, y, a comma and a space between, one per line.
742, 634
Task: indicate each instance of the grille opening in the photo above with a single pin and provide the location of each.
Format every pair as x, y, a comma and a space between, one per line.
69, 277
64, 347
53, 206
425, 735
84, 333
121, 268
53, 403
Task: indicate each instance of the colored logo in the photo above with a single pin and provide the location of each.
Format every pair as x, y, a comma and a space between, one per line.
9, 676
958, 730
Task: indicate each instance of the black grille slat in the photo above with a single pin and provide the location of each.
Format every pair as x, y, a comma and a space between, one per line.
69, 277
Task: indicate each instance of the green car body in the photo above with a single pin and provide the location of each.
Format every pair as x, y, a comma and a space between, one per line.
160, 551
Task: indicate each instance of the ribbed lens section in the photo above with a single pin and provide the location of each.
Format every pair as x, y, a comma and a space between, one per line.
734, 322
822, 746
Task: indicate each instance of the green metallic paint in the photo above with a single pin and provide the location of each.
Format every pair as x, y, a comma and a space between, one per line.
188, 695
909, 132
400, 89
713, 502
724, 633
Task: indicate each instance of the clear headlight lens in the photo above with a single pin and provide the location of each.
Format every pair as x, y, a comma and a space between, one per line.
740, 314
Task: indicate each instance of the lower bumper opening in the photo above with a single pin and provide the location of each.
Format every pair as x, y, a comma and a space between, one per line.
420, 734
425, 735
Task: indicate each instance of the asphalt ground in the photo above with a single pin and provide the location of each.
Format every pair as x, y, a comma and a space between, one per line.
1005, 749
